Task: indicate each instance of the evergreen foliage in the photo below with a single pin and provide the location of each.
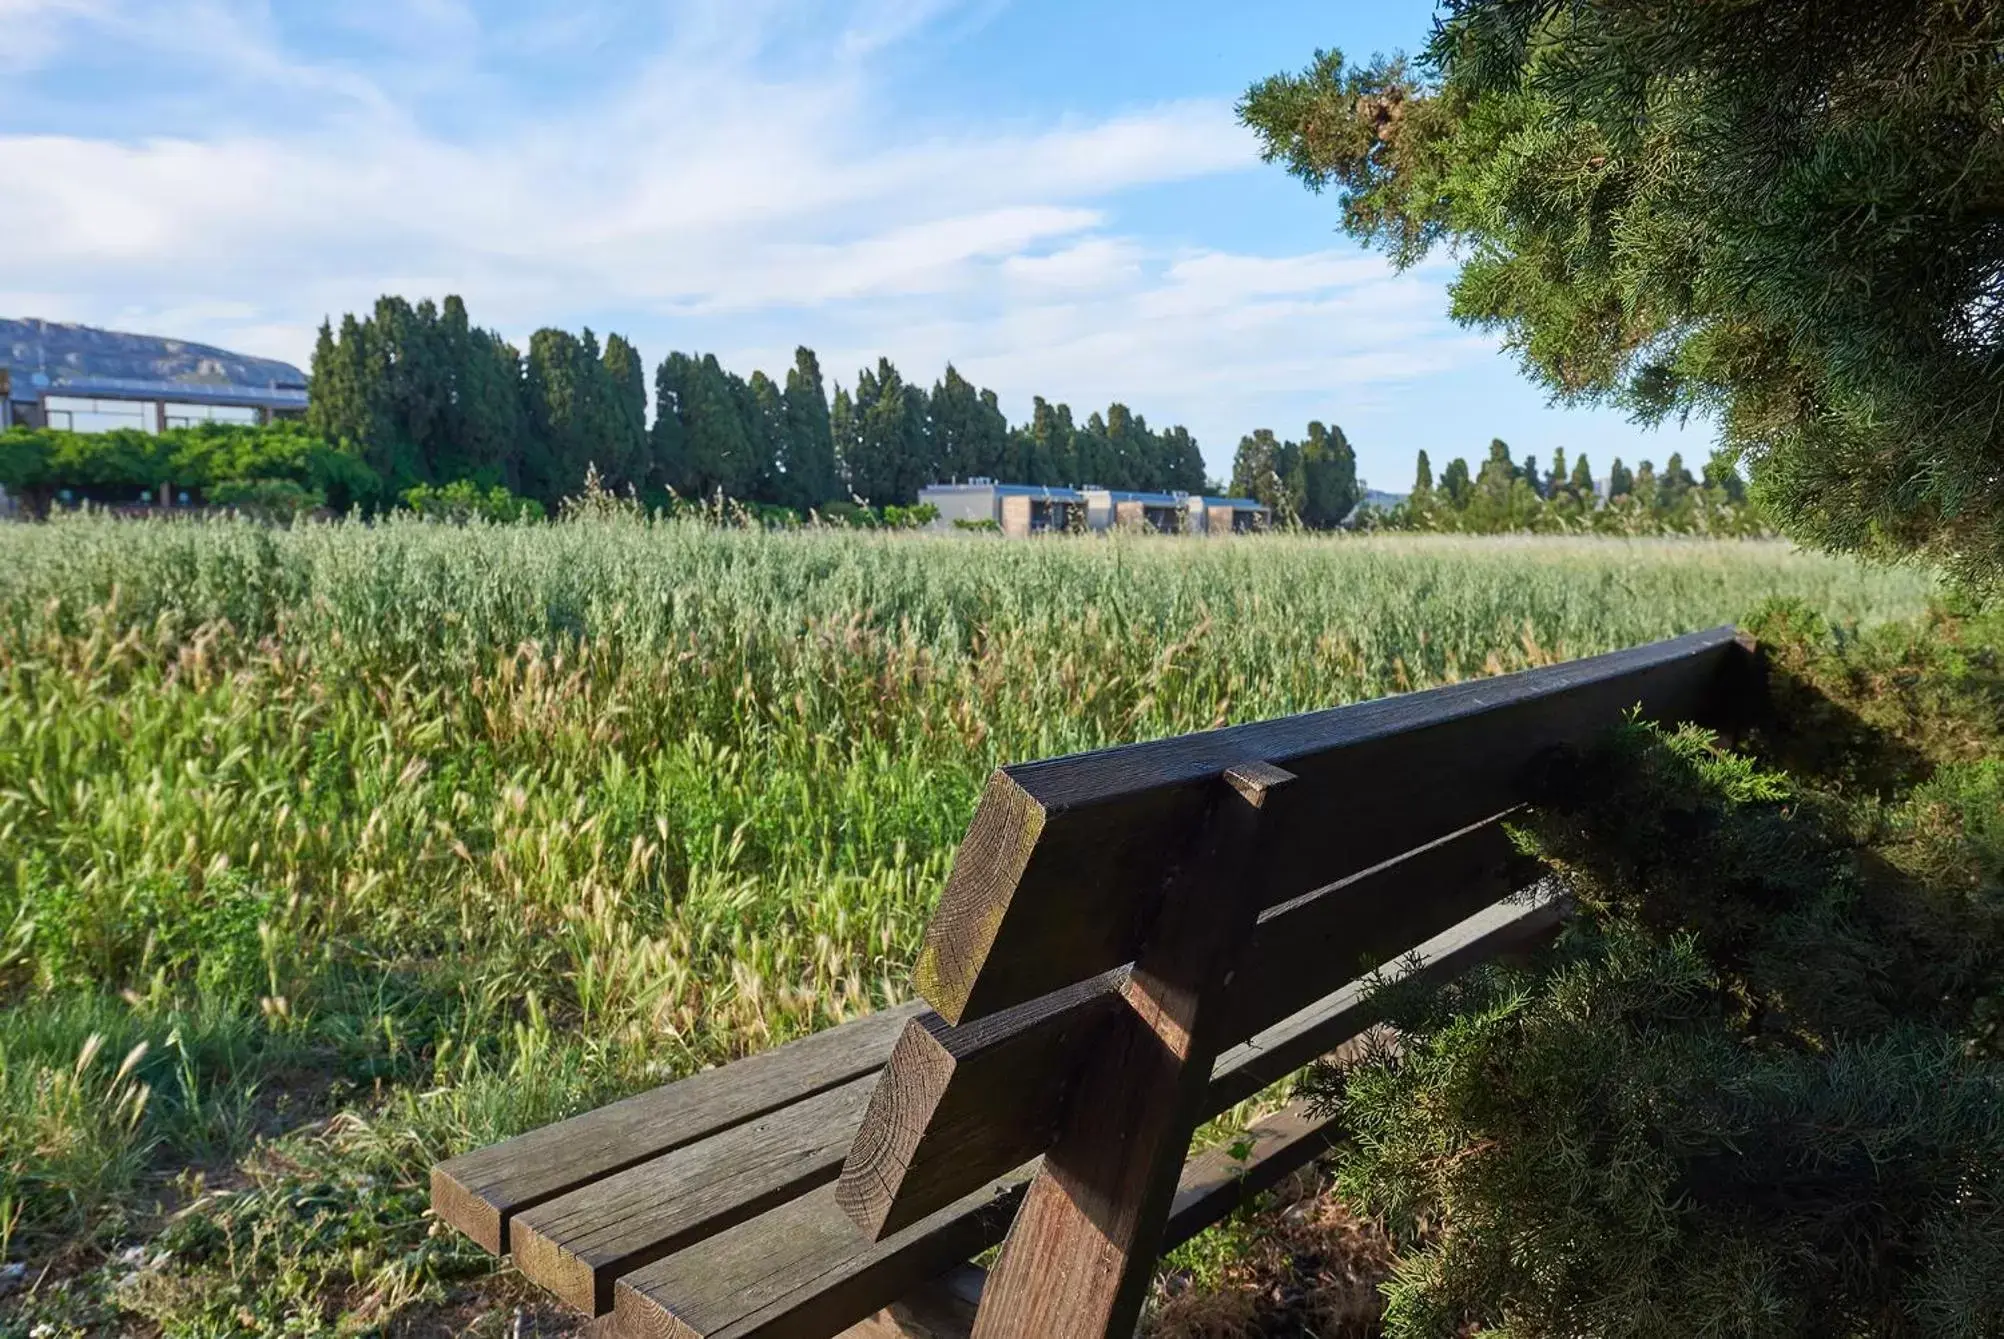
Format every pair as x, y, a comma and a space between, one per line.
1757, 1086
1508, 497
1780, 217
421, 398
1312, 482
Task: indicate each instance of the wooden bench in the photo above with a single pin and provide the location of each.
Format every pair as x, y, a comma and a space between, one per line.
1130, 942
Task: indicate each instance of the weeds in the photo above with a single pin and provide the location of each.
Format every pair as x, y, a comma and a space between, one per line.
357, 847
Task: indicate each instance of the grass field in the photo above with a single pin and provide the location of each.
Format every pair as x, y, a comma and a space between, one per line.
325, 853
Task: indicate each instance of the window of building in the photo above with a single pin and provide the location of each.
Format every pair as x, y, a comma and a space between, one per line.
79, 414
188, 415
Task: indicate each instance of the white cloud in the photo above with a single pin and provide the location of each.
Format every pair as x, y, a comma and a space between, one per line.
724, 193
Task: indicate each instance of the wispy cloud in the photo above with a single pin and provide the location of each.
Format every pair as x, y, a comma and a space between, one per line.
747, 175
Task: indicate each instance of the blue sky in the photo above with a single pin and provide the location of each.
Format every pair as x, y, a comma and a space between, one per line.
1055, 196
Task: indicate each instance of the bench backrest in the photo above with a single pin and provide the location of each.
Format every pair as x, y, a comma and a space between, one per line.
1115, 921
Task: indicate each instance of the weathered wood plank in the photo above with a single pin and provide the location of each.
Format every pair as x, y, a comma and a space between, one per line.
1064, 860
577, 1244
1218, 1180
1298, 1041
957, 1106
808, 1243
1304, 948
937, 1130
941, 1308
480, 1191
803, 1271
1213, 1184
1079, 1256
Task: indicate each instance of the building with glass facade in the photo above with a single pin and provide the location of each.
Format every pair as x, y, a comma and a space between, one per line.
81, 379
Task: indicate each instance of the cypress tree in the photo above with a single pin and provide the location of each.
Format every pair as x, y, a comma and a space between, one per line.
719, 450
844, 431
553, 463
991, 437
1454, 482
1094, 455
1582, 481
627, 454
669, 439
765, 434
1423, 475
1053, 452
1184, 461
1675, 484
1645, 484
1125, 449
1620, 483
957, 426
1326, 487
810, 440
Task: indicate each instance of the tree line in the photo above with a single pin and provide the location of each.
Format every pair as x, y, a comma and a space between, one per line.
424, 397
1505, 495
1311, 483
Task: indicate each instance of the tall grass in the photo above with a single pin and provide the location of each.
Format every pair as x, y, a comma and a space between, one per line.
330, 851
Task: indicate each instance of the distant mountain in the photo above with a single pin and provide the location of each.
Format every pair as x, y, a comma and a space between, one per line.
1375, 497
59, 352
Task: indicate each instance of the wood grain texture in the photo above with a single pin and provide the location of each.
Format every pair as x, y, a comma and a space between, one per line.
1306, 947
803, 1271
1212, 1185
1079, 1256
1058, 884
1217, 1181
577, 1244
481, 1191
957, 1106
941, 1308
1304, 1037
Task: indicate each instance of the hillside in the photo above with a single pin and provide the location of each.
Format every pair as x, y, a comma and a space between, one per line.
63, 352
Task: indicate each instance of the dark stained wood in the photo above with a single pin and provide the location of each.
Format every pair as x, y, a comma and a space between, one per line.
1217, 1181
1212, 1185
1065, 858
773, 1276
1303, 949
802, 1270
479, 1192
1300, 1040
958, 1106
941, 1308
937, 1128
1079, 1256
577, 1244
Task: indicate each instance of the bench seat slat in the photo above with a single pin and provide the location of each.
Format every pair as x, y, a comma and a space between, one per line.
804, 1271
740, 1287
479, 1192
577, 1244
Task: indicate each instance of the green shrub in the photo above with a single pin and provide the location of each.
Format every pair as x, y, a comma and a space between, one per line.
464, 500
1755, 1087
266, 499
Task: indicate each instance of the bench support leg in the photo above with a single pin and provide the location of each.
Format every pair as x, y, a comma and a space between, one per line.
1080, 1255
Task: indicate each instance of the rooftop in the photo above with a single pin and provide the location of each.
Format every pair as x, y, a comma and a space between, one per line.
1051, 493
